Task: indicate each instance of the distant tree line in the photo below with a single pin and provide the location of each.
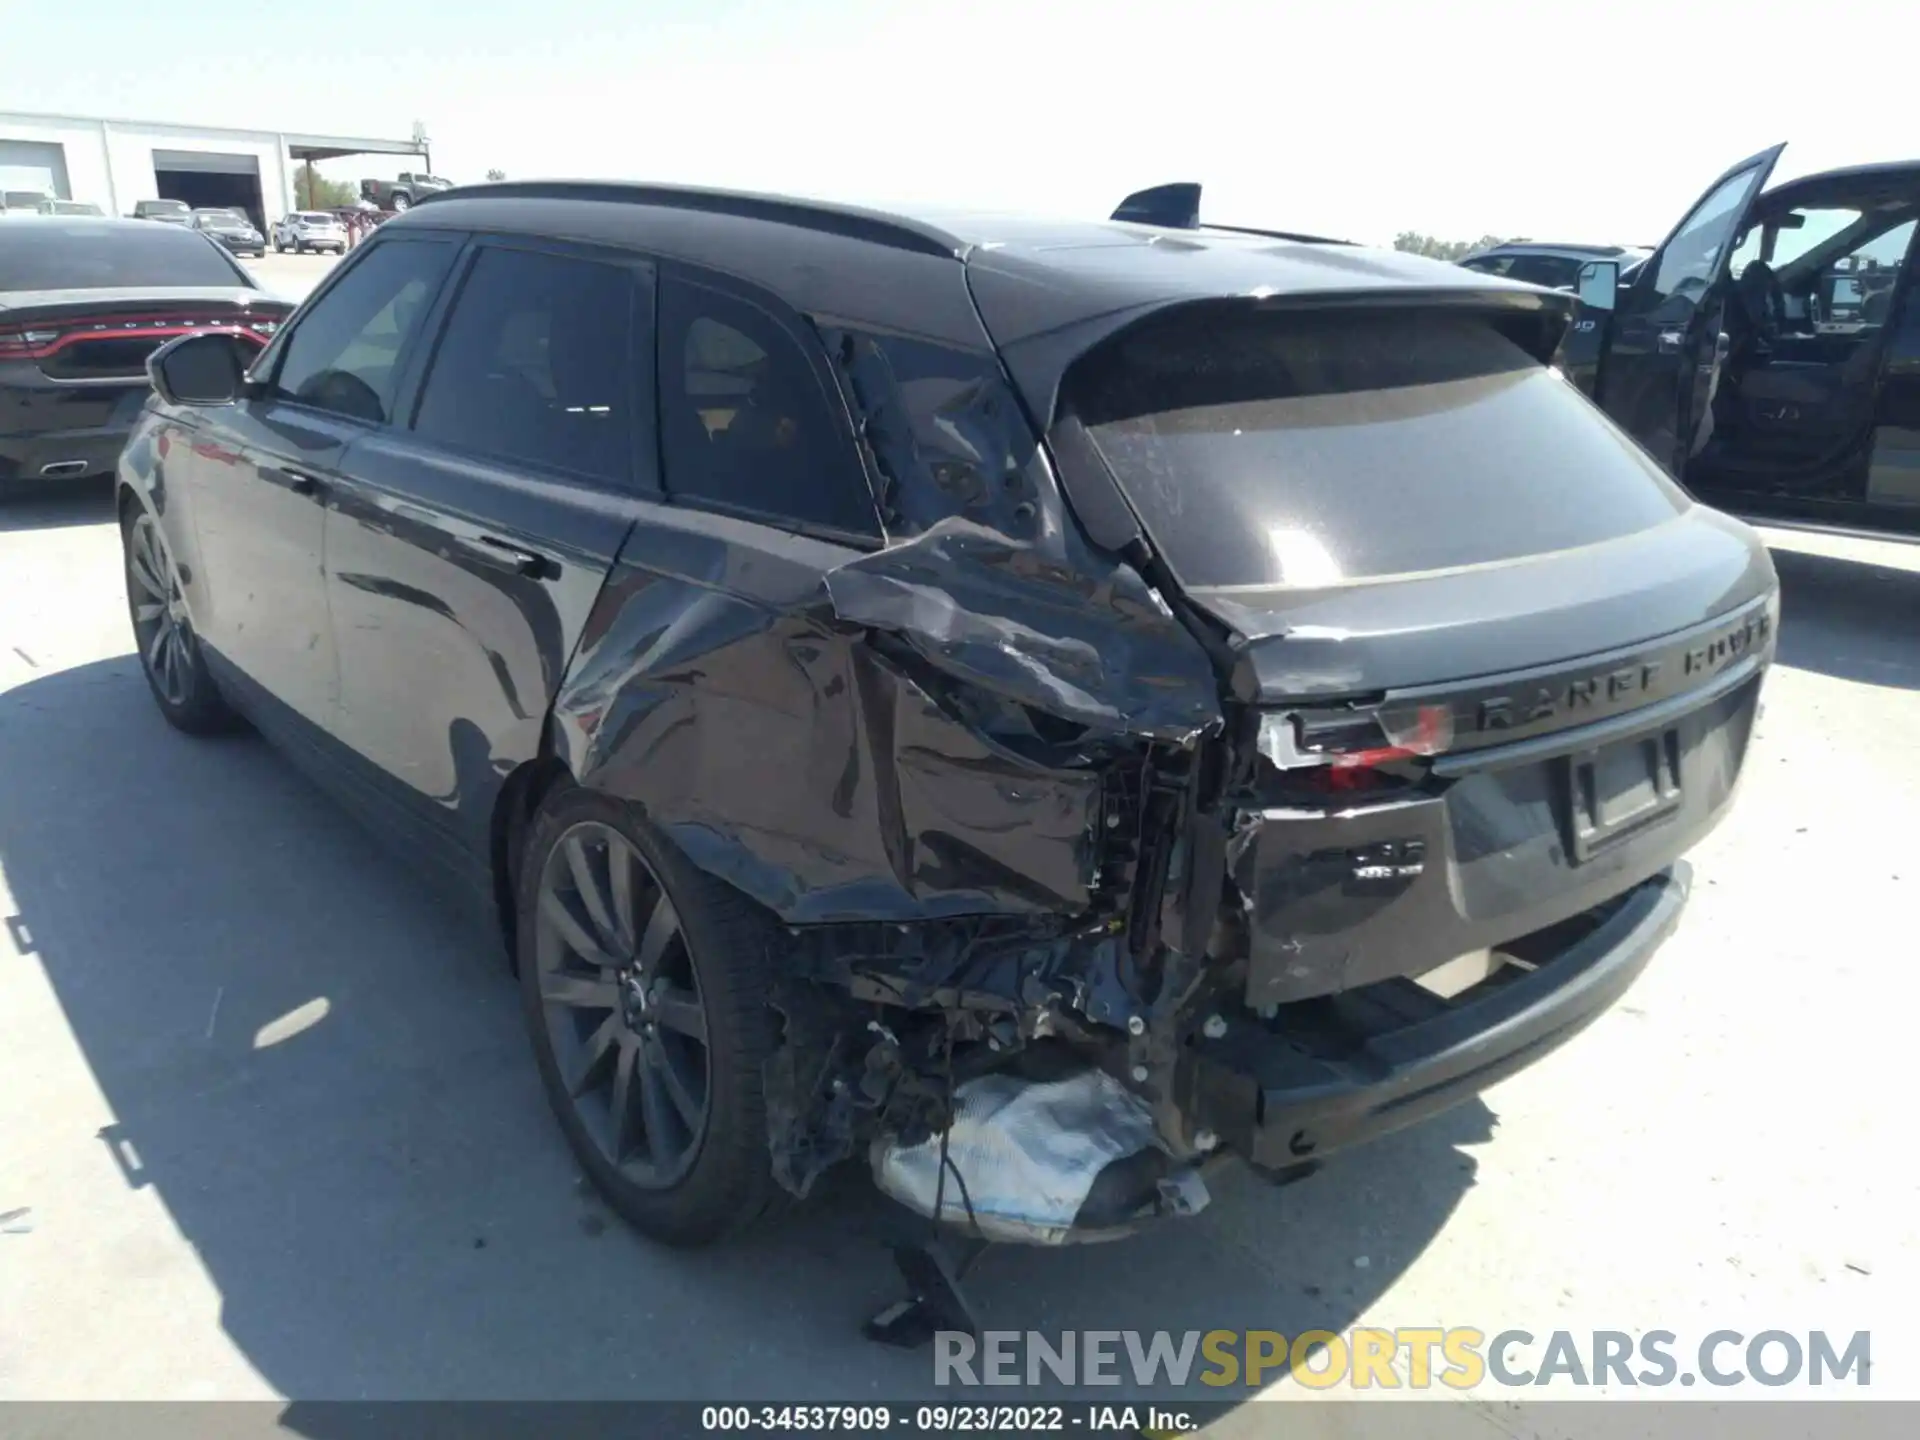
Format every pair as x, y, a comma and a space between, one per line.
314, 191
1414, 243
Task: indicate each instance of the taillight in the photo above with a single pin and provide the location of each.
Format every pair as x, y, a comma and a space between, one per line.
26, 344
44, 339
1349, 751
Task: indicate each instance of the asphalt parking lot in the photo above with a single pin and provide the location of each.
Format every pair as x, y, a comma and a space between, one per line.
271, 1127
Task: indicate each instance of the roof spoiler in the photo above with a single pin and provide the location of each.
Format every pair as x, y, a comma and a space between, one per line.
1177, 207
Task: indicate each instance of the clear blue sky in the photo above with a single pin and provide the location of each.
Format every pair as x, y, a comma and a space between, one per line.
1551, 119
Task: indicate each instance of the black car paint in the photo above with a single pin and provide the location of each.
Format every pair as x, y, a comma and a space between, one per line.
1655, 367
56, 415
1003, 713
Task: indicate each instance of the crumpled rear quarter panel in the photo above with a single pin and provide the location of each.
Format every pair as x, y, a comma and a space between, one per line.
823, 726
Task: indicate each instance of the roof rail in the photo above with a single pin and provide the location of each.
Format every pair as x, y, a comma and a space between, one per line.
1280, 234
850, 221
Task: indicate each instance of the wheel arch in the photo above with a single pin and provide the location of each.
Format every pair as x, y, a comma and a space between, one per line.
520, 798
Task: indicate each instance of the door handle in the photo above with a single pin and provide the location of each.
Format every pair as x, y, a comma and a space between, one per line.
1671, 341
524, 562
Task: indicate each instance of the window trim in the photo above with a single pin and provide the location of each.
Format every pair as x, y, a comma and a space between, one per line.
263, 376
643, 478
813, 352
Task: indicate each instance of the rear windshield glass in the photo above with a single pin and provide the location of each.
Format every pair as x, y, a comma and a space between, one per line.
1311, 450
56, 256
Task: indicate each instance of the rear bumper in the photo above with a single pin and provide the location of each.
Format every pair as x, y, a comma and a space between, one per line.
1375, 1060
94, 451
46, 422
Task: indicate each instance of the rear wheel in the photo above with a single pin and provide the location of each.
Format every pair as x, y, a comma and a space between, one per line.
170, 655
644, 983
402, 200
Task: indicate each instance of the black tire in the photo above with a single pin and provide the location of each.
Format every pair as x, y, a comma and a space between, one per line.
721, 951
401, 201
168, 651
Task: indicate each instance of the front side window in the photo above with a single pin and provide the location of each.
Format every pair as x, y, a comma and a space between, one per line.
537, 364
746, 424
344, 356
1692, 257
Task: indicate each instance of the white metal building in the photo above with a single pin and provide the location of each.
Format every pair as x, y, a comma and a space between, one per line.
117, 163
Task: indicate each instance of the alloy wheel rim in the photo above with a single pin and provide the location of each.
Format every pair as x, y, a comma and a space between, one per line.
622, 1004
160, 623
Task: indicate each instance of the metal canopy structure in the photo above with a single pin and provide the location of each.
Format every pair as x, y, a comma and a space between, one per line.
302, 148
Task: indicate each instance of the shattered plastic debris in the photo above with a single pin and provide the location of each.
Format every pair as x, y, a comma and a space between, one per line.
1023, 1157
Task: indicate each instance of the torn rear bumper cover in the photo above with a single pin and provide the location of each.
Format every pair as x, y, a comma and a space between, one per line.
1405, 1055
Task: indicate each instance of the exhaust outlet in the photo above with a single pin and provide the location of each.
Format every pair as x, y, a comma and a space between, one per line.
65, 467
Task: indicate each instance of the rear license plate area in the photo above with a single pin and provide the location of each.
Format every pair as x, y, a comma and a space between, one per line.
1618, 791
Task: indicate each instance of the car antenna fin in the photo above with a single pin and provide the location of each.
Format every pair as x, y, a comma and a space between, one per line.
1172, 207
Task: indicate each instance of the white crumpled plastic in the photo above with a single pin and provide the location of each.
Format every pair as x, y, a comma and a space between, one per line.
1029, 1152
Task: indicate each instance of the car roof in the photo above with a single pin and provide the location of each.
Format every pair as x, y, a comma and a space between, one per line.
1097, 257
115, 222
1046, 290
1895, 174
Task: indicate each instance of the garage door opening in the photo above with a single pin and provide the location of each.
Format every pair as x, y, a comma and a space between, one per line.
34, 166
210, 181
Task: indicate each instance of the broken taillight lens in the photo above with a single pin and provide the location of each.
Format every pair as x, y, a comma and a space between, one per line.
1353, 752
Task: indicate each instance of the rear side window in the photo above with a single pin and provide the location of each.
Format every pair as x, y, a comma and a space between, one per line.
745, 422
344, 355
1549, 270
1313, 450
537, 364
55, 255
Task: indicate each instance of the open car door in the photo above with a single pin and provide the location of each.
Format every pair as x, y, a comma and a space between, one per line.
1665, 344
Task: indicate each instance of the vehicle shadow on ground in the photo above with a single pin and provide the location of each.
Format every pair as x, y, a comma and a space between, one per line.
55, 505
323, 1077
1849, 619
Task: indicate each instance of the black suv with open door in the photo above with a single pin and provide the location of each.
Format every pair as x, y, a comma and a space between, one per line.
908, 688
1769, 352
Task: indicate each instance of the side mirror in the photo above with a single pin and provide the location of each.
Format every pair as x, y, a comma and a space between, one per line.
1598, 284
198, 370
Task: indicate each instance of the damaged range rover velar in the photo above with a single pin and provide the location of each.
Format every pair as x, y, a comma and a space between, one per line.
1032, 708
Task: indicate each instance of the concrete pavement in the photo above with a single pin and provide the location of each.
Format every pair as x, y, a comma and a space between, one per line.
269, 1125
